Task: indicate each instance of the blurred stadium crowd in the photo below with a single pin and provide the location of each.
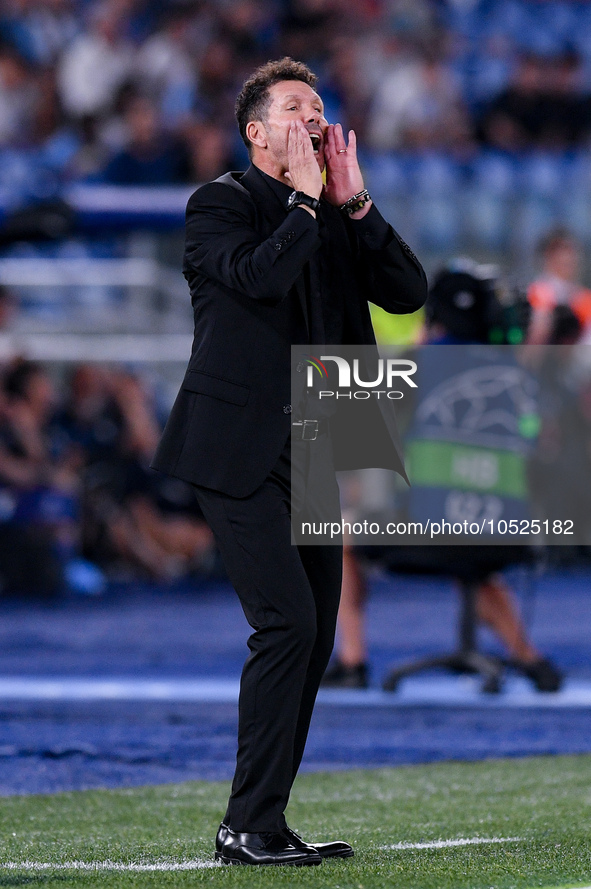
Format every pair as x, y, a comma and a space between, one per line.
77, 499
134, 91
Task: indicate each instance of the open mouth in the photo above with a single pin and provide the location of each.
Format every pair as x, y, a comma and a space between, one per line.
316, 141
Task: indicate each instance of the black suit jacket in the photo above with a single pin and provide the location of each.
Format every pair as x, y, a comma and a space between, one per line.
244, 261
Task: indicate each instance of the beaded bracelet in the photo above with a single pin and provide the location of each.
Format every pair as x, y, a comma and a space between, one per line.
357, 202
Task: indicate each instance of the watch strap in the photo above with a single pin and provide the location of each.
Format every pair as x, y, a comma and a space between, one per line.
299, 198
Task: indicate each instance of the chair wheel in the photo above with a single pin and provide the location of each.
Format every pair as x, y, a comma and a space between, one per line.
491, 685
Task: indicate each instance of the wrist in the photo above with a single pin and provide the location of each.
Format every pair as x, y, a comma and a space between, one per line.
301, 199
359, 214
356, 203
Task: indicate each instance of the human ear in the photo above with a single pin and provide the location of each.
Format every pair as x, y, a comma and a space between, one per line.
256, 133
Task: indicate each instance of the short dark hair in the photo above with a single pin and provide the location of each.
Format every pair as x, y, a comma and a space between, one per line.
253, 100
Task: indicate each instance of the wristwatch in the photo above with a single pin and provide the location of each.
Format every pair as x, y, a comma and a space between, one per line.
300, 197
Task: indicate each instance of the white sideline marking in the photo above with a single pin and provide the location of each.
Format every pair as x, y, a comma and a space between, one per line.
117, 688
447, 844
463, 691
107, 865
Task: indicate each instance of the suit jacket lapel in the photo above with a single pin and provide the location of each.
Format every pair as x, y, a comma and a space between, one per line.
268, 203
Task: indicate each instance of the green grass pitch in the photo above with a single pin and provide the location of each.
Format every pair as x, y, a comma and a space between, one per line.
529, 823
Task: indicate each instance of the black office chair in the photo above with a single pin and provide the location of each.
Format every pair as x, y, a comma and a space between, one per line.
469, 566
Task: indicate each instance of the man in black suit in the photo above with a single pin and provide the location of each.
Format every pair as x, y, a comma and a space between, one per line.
273, 258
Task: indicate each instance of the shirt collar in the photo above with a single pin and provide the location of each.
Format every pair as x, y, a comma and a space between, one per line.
281, 189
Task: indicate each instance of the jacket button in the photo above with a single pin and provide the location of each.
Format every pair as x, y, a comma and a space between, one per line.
278, 246
287, 408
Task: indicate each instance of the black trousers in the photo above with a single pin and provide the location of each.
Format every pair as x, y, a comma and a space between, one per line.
290, 596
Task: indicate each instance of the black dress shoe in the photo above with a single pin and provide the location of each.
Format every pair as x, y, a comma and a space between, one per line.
338, 849
261, 848
339, 675
545, 675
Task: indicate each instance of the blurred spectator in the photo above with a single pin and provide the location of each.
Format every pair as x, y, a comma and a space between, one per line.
89, 154
249, 28
560, 471
305, 25
210, 149
512, 121
151, 156
564, 109
19, 98
558, 285
87, 419
488, 68
217, 88
51, 132
77, 480
96, 63
418, 106
29, 563
7, 307
112, 131
30, 401
134, 518
166, 67
346, 94
39, 30
543, 106
39, 486
415, 19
